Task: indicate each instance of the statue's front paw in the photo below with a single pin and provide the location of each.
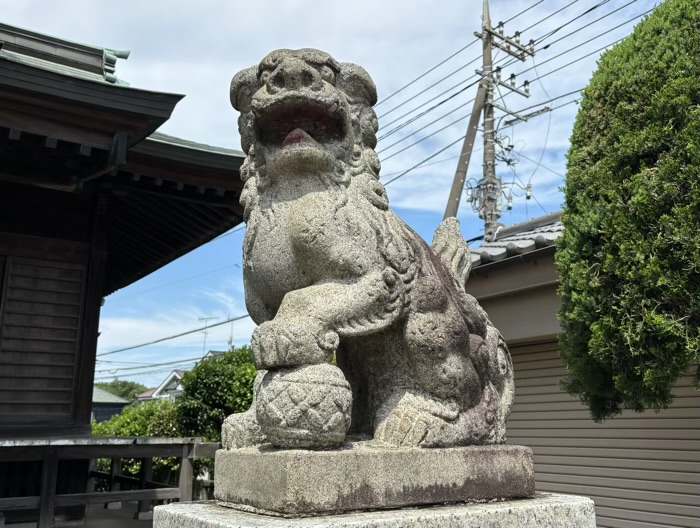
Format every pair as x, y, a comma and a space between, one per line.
282, 344
414, 420
405, 428
241, 430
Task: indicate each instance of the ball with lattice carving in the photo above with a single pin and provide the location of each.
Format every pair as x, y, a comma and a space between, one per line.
304, 407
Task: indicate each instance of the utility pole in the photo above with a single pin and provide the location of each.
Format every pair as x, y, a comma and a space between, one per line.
205, 332
468, 145
489, 210
486, 199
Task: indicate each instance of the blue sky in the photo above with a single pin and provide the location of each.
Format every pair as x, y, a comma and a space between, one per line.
194, 48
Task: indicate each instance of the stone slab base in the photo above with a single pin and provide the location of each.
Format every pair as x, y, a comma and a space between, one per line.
541, 511
362, 476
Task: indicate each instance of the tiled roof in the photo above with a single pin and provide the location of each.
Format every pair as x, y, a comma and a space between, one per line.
519, 239
102, 396
172, 140
146, 394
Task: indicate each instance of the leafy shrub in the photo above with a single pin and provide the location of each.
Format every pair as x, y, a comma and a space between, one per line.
122, 388
153, 418
216, 387
629, 259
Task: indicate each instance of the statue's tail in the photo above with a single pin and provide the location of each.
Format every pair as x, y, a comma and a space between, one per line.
449, 245
496, 368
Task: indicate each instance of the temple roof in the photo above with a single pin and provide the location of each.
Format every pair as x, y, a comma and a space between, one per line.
71, 130
70, 58
519, 239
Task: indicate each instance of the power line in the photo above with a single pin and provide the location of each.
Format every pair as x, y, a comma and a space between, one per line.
426, 73
451, 56
425, 137
430, 164
135, 374
533, 194
605, 32
538, 104
425, 112
543, 166
524, 11
579, 59
443, 116
428, 88
547, 35
464, 117
550, 100
548, 16
423, 163
598, 20
549, 125
232, 319
452, 87
426, 159
149, 365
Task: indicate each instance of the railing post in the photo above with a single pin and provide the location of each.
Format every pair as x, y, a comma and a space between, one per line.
143, 512
186, 474
49, 476
115, 469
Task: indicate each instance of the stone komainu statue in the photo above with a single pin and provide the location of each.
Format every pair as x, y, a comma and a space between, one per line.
331, 272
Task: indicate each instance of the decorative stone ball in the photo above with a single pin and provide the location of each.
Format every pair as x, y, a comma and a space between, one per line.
305, 407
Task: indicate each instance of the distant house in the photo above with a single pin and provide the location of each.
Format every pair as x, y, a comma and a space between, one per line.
213, 353
641, 469
145, 395
105, 404
170, 388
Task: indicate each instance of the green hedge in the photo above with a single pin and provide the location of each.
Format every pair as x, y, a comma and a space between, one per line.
629, 259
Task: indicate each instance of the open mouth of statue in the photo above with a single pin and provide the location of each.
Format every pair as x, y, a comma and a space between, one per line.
299, 124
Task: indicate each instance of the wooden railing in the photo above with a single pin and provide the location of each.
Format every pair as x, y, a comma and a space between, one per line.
50, 451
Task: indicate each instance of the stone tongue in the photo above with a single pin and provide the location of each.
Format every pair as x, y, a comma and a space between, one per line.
296, 136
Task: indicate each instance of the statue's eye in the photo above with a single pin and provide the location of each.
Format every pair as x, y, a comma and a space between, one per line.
327, 74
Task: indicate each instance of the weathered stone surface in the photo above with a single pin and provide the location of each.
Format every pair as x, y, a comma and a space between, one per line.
541, 511
330, 271
305, 407
362, 475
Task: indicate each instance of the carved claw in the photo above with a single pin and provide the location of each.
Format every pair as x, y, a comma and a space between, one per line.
415, 420
281, 344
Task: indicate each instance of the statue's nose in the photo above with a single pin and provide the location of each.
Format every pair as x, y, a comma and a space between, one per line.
294, 74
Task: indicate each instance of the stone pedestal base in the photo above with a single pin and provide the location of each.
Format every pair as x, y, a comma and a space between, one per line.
541, 511
295, 482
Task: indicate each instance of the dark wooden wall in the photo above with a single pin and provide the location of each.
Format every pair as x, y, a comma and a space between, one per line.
49, 307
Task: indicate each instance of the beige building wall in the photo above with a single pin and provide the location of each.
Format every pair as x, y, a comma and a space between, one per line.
642, 470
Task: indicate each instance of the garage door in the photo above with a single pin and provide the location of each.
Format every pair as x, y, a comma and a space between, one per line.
641, 469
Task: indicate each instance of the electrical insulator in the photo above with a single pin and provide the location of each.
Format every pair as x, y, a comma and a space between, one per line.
512, 80
497, 74
510, 202
531, 45
526, 87
528, 191
516, 37
500, 28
